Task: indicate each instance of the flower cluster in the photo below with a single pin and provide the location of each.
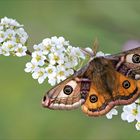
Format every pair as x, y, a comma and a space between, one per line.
13, 38
54, 58
130, 113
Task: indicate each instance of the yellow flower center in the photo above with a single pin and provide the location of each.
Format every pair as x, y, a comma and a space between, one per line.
20, 50
10, 46
134, 112
56, 58
38, 58
50, 70
1, 35
61, 73
17, 40
47, 48
40, 73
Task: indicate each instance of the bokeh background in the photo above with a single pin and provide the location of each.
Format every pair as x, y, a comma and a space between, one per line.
22, 117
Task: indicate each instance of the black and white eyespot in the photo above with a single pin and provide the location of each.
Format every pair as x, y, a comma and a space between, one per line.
93, 98
136, 58
126, 84
133, 58
68, 89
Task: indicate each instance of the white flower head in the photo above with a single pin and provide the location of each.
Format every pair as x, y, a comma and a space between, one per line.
51, 71
56, 58
20, 50
75, 52
38, 58
137, 125
131, 113
47, 46
52, 81
62, 41
2, 36
9, 46
112, 112
40, 74
4, 50
31, 67
9, 22
21, 36
12, 37
61, 73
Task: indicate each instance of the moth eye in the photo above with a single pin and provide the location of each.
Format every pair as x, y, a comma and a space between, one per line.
68, 90
93, 98
44, 98
126, 84
136, 58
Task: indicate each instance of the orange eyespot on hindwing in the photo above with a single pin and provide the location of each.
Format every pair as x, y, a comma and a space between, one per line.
126, 84
93, 98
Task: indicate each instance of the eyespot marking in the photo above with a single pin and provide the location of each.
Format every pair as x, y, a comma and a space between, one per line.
126, 84
133, 58
136, 58
68, 90
93, 98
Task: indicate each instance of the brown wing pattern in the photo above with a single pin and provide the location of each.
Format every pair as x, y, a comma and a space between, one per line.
99, 103
127, 63
57, 98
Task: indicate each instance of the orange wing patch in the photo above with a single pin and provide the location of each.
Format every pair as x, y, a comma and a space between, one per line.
96, 103
100, 102
126, 90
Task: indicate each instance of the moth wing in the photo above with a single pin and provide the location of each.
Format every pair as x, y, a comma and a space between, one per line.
126, 91
56, 98
127, 62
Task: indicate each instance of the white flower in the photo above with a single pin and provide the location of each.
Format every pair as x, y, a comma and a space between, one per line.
22, 36
38, 47
20, 50
54, 41
112, 112
7, 47
56, 58
71, 62
2, 36
52, 81
51, 71
79, 53
61, 73
63, 41
39, 74
9, 22
47, 46
1, 27
10, 34
38, 58
131, 113
137, 125
75, 52
30, 67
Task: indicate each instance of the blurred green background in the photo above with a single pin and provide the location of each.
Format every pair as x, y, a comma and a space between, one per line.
21, 115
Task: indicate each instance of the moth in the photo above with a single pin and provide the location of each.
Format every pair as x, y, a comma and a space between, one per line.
104, 82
